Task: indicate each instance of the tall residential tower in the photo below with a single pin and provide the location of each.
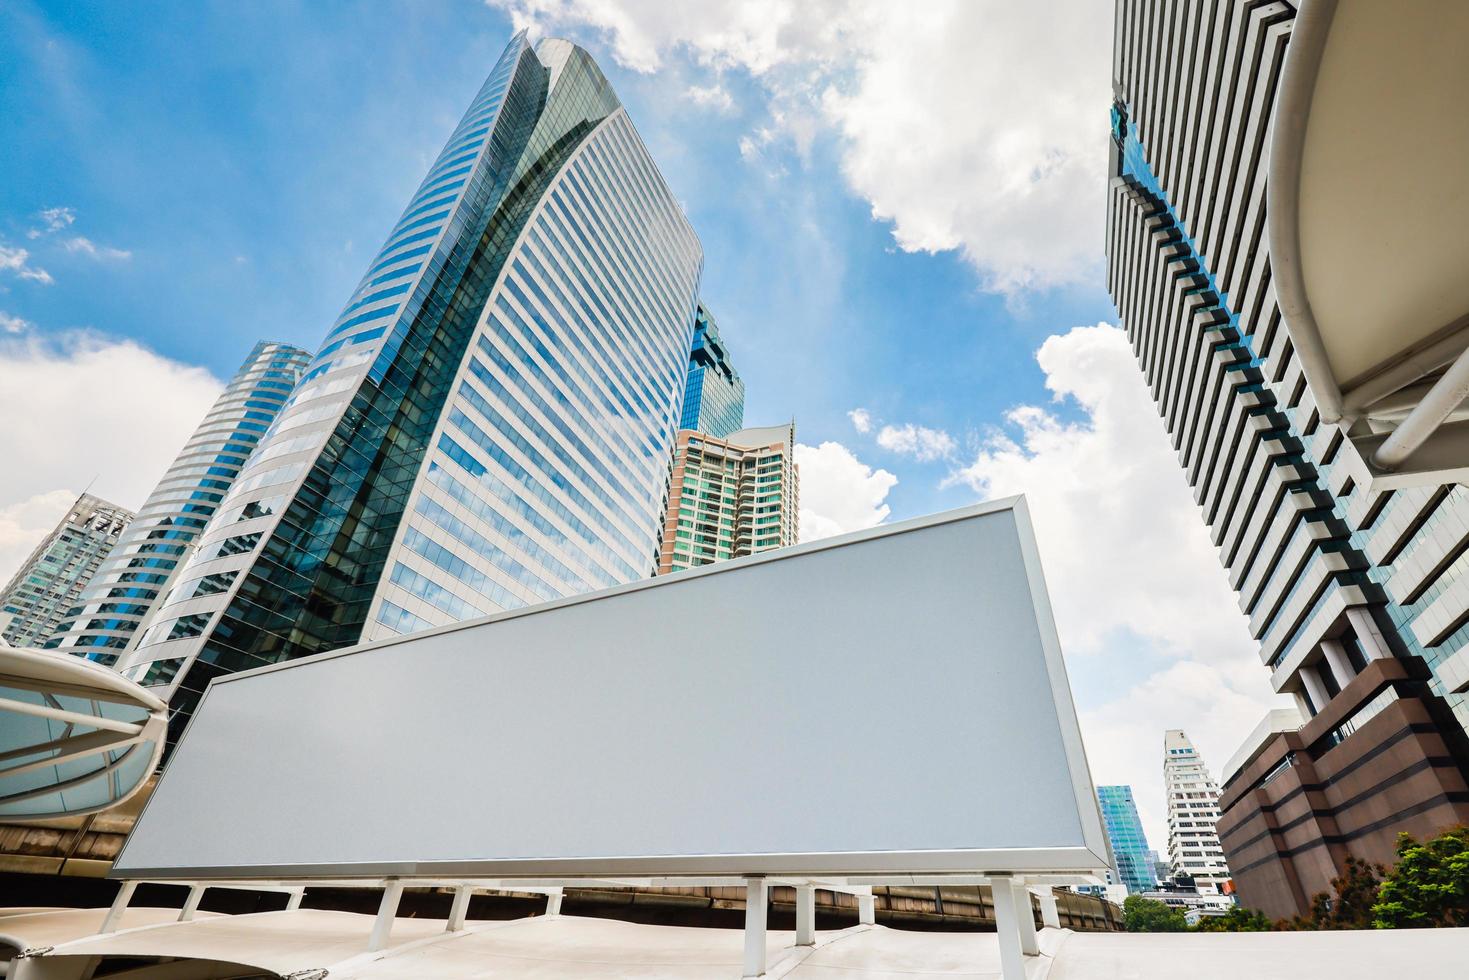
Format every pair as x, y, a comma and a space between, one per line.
1193, 811
1354, 580
142, 567
731, 497
489, 422
50, 581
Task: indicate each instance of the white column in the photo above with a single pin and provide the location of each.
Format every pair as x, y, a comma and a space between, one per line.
382, 926
553, 901
867, 909
1338, 661
1050, 914
458, 910
1007, 929
1315, 688
191, 904
806, 915
294, 902
119, 905
1369, 637
755, 900
1025, 918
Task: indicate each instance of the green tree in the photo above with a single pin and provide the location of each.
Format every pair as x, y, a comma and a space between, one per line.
1236, 919
1146, 915
1430, 884
1350, 903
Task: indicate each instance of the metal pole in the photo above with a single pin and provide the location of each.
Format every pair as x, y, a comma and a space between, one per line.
119, 905
1447, 393
553, 901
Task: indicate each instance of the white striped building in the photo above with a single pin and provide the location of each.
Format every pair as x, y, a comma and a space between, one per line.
490, 422
1356, 594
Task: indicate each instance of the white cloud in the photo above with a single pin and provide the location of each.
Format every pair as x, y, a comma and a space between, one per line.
18, 261
975, 126
53, 219
1128, 564
1216, 705
89, 248
9, 323
839, 492
95, 408
861, 420
711, 97
922, 443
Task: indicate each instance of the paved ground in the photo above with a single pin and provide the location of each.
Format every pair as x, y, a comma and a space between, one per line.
563, 947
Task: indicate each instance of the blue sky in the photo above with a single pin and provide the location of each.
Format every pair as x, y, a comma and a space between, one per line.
897, 214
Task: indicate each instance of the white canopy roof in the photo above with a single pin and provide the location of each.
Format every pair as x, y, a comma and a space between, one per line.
1369, 227
75, 737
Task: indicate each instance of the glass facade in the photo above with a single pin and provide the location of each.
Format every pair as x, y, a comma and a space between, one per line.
140, 570
51, 580
1134, 862
731, 497
714, 399
490, 420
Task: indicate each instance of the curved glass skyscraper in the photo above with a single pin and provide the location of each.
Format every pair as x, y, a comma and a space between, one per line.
490, 421
136, 574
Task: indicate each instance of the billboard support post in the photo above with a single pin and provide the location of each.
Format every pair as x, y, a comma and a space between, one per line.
458, 910
806, 915
755, 904
382, 926
1008, 930
1050, 915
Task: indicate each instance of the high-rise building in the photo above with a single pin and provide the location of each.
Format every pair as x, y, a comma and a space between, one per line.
714, 398
1193, 811
1133, 860
489, 423
47, 585
1355, 584
141, 568
731, 497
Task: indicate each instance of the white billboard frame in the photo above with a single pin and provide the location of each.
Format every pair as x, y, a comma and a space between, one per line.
1089, 855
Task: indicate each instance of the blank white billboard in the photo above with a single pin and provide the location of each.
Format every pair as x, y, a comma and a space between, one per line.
888, 701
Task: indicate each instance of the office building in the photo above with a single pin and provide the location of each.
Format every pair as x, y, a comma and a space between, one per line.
1193, 810
489, 422
140, 569
714, 398
731, 497
1336, 520
50, 581
1133, 861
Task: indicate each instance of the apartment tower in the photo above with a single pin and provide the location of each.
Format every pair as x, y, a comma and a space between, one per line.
489, 422
1193, 811
731, 497
143, 566
48, 584
1354, 588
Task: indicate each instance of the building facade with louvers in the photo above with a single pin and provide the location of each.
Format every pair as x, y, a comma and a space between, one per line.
1350, 590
